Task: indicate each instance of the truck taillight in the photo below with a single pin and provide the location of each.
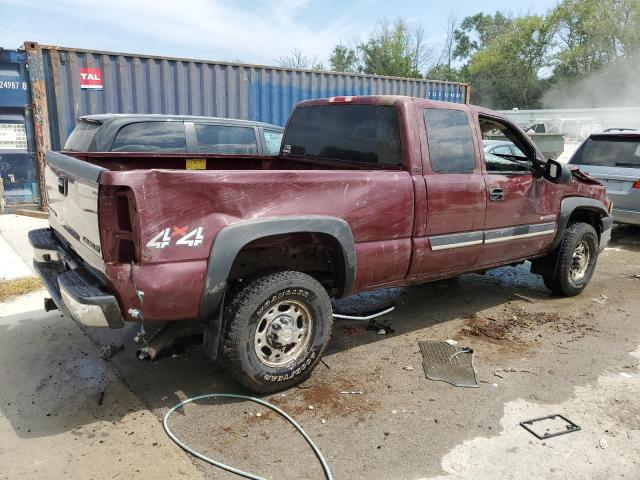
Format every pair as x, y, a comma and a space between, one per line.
341, 99
636, 184
118, 225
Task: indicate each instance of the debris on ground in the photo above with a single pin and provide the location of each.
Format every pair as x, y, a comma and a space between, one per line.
513, 323
500, 371
525, 298
19, 286
408, 368
323, 421
634, 275
448, 363
600, 300
549, 426
382, 331
603, 444
351, 392
378, 326
108, 351
355, 330
626, 375
451, 342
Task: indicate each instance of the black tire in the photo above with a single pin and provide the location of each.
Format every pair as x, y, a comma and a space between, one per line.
249, 309
561, 281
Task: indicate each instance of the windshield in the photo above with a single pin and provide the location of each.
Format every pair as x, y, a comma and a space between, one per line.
609, 151
82, 136
359, 134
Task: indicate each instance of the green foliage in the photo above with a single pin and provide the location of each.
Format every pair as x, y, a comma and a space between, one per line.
393, 49
388, 51
343, 59
511, 61
507, 70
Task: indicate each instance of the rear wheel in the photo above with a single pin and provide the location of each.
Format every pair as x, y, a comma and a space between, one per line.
576, 258
276, 329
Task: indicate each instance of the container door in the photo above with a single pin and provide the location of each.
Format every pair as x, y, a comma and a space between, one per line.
17, 160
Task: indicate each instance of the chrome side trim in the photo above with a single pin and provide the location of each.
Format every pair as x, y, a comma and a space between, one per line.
521, 231
456, 240
522, 235
466, 239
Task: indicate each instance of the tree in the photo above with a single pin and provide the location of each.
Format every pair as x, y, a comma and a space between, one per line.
344, 59
393, 49
297, 59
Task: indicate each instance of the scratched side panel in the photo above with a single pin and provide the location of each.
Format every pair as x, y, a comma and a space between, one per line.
378, 205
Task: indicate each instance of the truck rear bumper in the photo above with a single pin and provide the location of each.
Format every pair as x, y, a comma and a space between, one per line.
76, 291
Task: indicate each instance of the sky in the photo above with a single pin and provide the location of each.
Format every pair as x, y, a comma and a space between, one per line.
248, 31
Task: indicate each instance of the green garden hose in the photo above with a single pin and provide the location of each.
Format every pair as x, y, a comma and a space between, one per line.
237, 471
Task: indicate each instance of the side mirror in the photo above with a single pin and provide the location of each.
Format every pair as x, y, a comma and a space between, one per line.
557, 172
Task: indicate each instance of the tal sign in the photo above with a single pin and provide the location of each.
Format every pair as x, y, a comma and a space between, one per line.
91, 79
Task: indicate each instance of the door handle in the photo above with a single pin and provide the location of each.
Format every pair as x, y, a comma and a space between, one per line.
496, 194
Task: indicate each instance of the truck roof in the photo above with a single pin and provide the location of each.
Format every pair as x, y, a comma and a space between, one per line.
108, 117
389, 100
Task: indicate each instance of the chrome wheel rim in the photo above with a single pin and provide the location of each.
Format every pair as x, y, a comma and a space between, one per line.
580, 261
283, 333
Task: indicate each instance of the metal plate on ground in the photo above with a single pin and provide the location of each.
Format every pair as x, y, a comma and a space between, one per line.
550, 426
448, 363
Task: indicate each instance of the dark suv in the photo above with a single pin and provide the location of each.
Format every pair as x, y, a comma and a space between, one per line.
173, 134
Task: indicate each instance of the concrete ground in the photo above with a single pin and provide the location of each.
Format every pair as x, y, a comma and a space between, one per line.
534, 356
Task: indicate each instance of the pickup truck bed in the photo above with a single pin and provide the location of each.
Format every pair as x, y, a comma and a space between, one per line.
367, 192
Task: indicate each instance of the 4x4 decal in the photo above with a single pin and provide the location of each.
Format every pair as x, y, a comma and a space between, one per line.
163, 239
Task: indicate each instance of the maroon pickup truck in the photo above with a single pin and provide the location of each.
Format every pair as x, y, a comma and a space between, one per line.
367, 192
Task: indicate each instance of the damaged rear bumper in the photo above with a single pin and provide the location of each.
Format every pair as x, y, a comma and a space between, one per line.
73, 287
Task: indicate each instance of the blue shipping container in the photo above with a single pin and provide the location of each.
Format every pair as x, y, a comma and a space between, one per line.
17, 160
80, 82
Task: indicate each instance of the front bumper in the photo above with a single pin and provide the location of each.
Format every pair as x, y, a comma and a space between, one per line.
75, 290
626, 216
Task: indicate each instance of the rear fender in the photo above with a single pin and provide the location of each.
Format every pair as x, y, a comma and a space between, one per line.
230, 241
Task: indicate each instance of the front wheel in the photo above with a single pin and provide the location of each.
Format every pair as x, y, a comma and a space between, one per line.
276, 329
576, 258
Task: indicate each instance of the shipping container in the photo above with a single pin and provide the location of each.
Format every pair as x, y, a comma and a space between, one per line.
66, 83
18, 168
80, 82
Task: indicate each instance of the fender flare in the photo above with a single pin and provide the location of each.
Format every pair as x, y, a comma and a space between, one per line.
569, 205
231, 239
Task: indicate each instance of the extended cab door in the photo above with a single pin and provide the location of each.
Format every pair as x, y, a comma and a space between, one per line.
522, 207
456, 199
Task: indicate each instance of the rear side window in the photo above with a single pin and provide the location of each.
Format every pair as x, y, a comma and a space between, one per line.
226, 139
609, 151
272, 140
82, 136
358, 134
450, 141
151, 137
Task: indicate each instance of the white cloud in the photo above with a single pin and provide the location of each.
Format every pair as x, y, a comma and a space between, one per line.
258, 32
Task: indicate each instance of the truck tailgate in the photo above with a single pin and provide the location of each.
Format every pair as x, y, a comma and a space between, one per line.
72, 193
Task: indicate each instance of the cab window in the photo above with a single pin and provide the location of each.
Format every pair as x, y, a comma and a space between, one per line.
517, 158
225, 139
272, 140
450, 141
151, 137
